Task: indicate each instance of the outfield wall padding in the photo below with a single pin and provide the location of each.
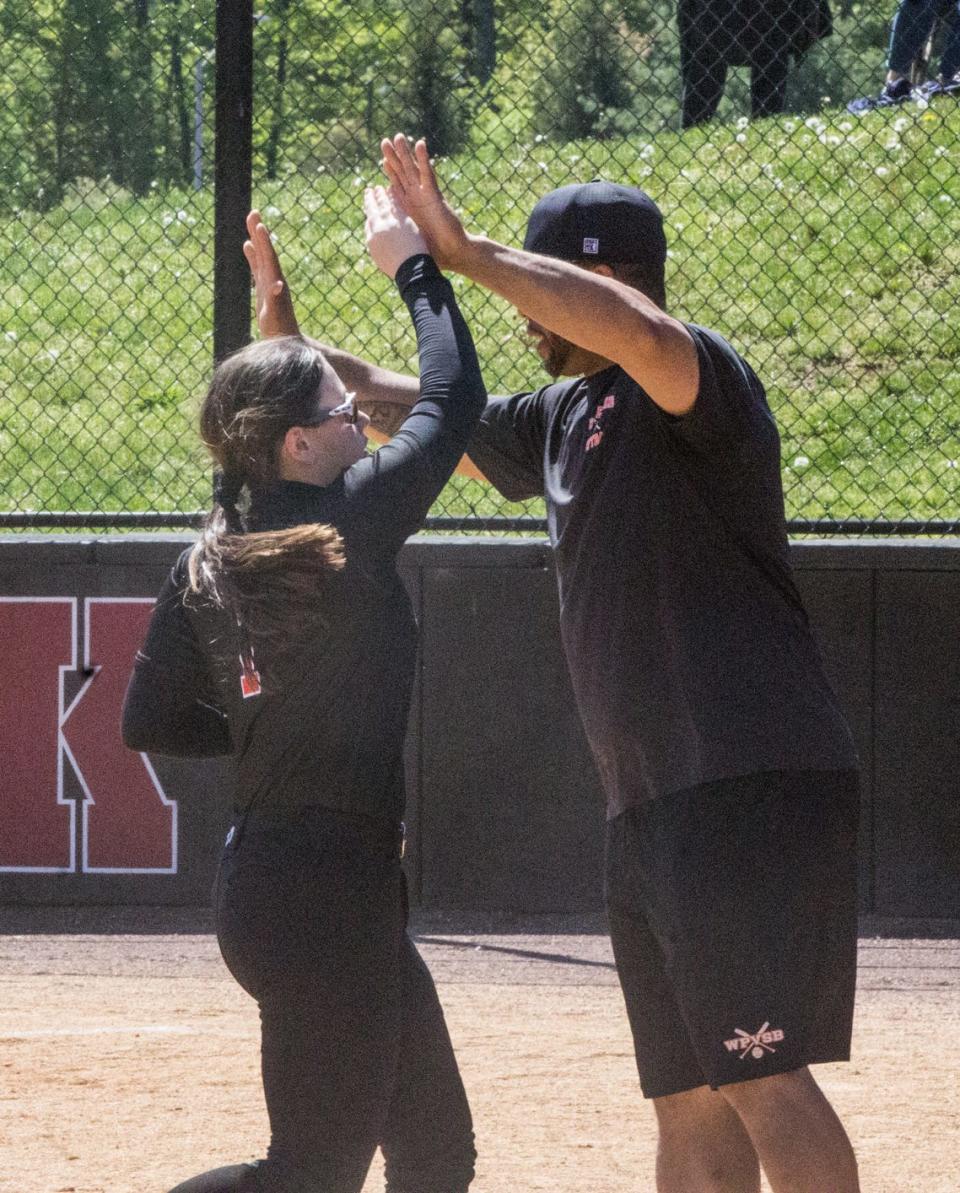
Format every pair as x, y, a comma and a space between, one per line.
504, 809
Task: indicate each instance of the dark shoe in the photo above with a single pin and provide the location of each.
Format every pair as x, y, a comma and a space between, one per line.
933, 88
891, 95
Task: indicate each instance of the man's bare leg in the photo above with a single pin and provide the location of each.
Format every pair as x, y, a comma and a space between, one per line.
703, 1147
801, 1143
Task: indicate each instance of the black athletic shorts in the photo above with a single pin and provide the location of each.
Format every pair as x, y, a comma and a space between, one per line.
733, 915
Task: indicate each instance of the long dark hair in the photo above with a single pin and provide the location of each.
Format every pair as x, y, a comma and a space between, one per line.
267, 581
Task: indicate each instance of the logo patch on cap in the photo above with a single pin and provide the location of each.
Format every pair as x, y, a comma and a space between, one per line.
591, 245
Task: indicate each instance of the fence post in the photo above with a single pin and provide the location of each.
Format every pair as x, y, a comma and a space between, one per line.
232, 171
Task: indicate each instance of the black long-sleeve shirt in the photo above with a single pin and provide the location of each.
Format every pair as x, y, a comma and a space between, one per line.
332, 734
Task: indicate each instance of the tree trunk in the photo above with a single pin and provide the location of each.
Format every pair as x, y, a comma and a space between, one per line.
276, 124
142, 149
179, 97
480, 27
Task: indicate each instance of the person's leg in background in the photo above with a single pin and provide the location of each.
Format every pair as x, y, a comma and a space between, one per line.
911, 26
703, 67
948, 82
768, 83
704, 78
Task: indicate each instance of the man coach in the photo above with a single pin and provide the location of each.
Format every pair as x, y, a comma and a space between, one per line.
728, 768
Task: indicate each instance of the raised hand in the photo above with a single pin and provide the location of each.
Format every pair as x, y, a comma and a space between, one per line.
274, 306
414, 183
392, 236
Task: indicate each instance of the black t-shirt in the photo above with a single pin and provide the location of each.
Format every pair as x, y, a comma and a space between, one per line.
332, 733
689, 650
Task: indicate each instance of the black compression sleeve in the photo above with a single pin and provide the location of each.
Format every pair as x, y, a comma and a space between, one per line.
393, 489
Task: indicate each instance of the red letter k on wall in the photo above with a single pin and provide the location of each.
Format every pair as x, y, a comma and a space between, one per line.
127, 825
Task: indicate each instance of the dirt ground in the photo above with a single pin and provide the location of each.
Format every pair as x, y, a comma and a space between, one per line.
130, 1058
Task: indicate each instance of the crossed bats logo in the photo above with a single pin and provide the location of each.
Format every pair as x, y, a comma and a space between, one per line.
756, 1044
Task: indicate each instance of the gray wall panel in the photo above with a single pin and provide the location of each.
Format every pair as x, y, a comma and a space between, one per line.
504, 807
511, 811
840, 604
917, 798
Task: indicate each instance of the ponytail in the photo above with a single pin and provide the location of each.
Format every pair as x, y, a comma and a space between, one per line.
227, 488
274, 585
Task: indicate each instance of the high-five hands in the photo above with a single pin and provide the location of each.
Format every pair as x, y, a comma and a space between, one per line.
414, 183
391, 234
274, 306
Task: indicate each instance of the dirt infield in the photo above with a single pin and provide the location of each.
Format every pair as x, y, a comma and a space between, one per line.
130, 1058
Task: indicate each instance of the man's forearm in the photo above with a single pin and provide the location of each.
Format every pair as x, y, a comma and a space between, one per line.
607, 318
581, 306
385, 396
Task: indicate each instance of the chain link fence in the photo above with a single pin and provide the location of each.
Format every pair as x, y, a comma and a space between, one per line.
823, 243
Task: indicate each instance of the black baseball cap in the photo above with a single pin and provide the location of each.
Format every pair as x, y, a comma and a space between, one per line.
603, 222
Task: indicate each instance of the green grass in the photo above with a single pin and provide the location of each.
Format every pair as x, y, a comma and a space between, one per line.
826, 250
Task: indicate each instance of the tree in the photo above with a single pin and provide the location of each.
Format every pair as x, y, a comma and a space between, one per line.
479, 21
586, 89
281, 15
431, 96
142, 151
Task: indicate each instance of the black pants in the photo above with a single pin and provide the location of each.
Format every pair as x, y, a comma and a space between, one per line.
311, 920
708, 46
705, 76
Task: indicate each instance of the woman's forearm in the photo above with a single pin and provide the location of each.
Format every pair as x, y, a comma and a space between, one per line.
383, 395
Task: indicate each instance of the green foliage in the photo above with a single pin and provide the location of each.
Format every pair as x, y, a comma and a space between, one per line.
850, 62
827, 249
586, 88
430, 98
107, 88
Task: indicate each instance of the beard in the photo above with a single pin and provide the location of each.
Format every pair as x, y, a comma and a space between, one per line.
553, 350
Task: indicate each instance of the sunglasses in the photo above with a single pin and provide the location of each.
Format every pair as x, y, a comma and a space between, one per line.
348, 410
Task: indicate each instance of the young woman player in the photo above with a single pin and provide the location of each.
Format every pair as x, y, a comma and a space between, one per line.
285, 637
